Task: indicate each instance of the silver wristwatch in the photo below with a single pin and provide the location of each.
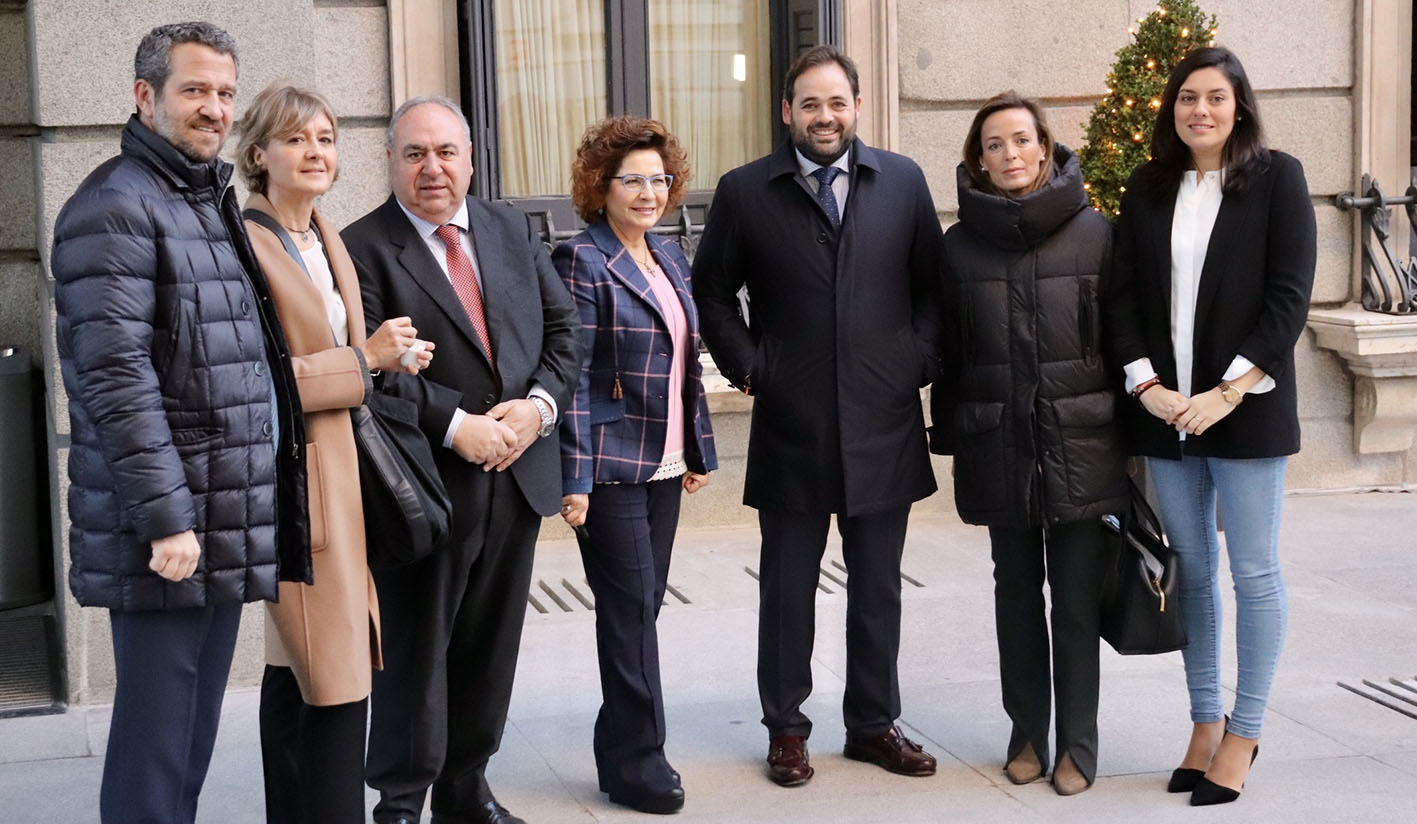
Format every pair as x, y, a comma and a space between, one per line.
548, 420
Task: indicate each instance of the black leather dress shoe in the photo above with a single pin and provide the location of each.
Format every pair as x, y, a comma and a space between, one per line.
489, 813
670, 801
494, 813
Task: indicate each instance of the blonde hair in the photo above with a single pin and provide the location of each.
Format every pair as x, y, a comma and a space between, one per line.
278, 111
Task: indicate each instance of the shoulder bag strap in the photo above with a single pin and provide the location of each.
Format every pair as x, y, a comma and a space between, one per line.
258, 216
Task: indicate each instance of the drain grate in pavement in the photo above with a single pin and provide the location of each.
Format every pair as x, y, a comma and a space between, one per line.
835, 573
27, 677
565, 595
1398, 695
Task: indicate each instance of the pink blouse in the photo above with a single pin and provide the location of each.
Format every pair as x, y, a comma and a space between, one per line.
672, 464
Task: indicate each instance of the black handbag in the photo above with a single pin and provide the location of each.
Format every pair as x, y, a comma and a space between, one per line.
407, 513
1141, 613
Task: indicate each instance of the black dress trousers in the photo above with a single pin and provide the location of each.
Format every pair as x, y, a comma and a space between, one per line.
1071, 557
626, 546
452, 626
791, 557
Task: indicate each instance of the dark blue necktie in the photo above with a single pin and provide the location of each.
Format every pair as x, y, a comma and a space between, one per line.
825, 196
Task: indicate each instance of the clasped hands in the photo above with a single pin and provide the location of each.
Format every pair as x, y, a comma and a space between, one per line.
496, 439
1193, 415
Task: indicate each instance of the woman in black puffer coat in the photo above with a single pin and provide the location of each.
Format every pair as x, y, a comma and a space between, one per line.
1029, 417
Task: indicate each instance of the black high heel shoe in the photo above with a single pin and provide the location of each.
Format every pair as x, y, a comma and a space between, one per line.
1208, 792
1185, 779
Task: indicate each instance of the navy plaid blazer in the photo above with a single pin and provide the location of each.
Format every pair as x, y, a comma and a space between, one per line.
610, 440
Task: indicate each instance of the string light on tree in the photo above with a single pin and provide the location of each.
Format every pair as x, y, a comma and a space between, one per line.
1119, 136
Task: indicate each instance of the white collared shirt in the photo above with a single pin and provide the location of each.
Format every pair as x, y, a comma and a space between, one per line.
841, 186
1197, 204
427, 231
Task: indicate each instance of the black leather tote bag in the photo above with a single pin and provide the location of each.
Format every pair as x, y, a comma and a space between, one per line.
1141, 613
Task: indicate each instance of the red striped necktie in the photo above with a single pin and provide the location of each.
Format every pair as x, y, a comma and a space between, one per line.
465, 284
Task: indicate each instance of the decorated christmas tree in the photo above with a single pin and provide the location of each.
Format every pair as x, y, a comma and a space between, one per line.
1119, 131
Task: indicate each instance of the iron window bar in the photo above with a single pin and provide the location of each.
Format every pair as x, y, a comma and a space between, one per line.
683, 231
1389, 284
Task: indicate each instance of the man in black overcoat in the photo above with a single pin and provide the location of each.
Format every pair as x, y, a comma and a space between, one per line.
838, 245
477, 281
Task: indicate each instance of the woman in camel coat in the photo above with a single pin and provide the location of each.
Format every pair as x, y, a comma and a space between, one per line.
322, 640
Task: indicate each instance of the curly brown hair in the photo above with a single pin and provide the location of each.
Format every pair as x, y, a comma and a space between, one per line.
603, 149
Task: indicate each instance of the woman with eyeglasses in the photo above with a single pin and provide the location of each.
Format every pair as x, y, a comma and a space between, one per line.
636, 434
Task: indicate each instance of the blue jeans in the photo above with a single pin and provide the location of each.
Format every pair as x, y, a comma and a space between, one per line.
1250, 492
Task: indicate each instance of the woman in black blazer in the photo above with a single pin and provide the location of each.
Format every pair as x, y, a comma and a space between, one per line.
1213, 264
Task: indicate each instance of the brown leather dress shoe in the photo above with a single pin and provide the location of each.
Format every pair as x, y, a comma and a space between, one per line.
892, 752
787, 760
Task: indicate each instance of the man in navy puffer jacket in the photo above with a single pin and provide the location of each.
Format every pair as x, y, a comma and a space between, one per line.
187, 483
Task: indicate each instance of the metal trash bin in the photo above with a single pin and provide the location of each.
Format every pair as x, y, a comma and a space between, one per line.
24, 577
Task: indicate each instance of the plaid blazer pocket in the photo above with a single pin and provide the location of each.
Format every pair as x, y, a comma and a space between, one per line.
607, 410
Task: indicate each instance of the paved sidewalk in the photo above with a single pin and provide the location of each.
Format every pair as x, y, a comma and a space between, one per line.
1328, 755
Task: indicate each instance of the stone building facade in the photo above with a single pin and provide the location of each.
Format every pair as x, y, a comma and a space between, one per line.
1332, 77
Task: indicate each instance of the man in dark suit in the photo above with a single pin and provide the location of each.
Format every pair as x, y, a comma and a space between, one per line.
839, 245
477, 280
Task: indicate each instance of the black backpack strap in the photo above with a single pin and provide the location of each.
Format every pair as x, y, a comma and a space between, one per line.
258, 216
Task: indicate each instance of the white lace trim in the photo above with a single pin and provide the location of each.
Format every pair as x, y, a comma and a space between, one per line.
671, 466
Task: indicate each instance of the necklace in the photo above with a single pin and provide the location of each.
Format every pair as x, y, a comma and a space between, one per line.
647, 265
304, 233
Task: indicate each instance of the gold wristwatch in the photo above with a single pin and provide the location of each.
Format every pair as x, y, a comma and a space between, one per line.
1231, 395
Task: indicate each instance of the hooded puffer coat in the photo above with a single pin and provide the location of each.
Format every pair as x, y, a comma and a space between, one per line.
1030, 412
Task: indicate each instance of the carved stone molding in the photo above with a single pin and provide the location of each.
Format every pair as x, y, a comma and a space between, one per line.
869, 32
423, 49
1383, 114
1381, 353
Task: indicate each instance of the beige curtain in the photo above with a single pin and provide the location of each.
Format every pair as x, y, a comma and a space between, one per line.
709, 80
550, 86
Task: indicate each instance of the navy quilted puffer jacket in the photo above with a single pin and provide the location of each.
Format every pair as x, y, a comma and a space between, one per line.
167, 366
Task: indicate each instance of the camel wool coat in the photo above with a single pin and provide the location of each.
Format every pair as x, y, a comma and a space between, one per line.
328, 632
